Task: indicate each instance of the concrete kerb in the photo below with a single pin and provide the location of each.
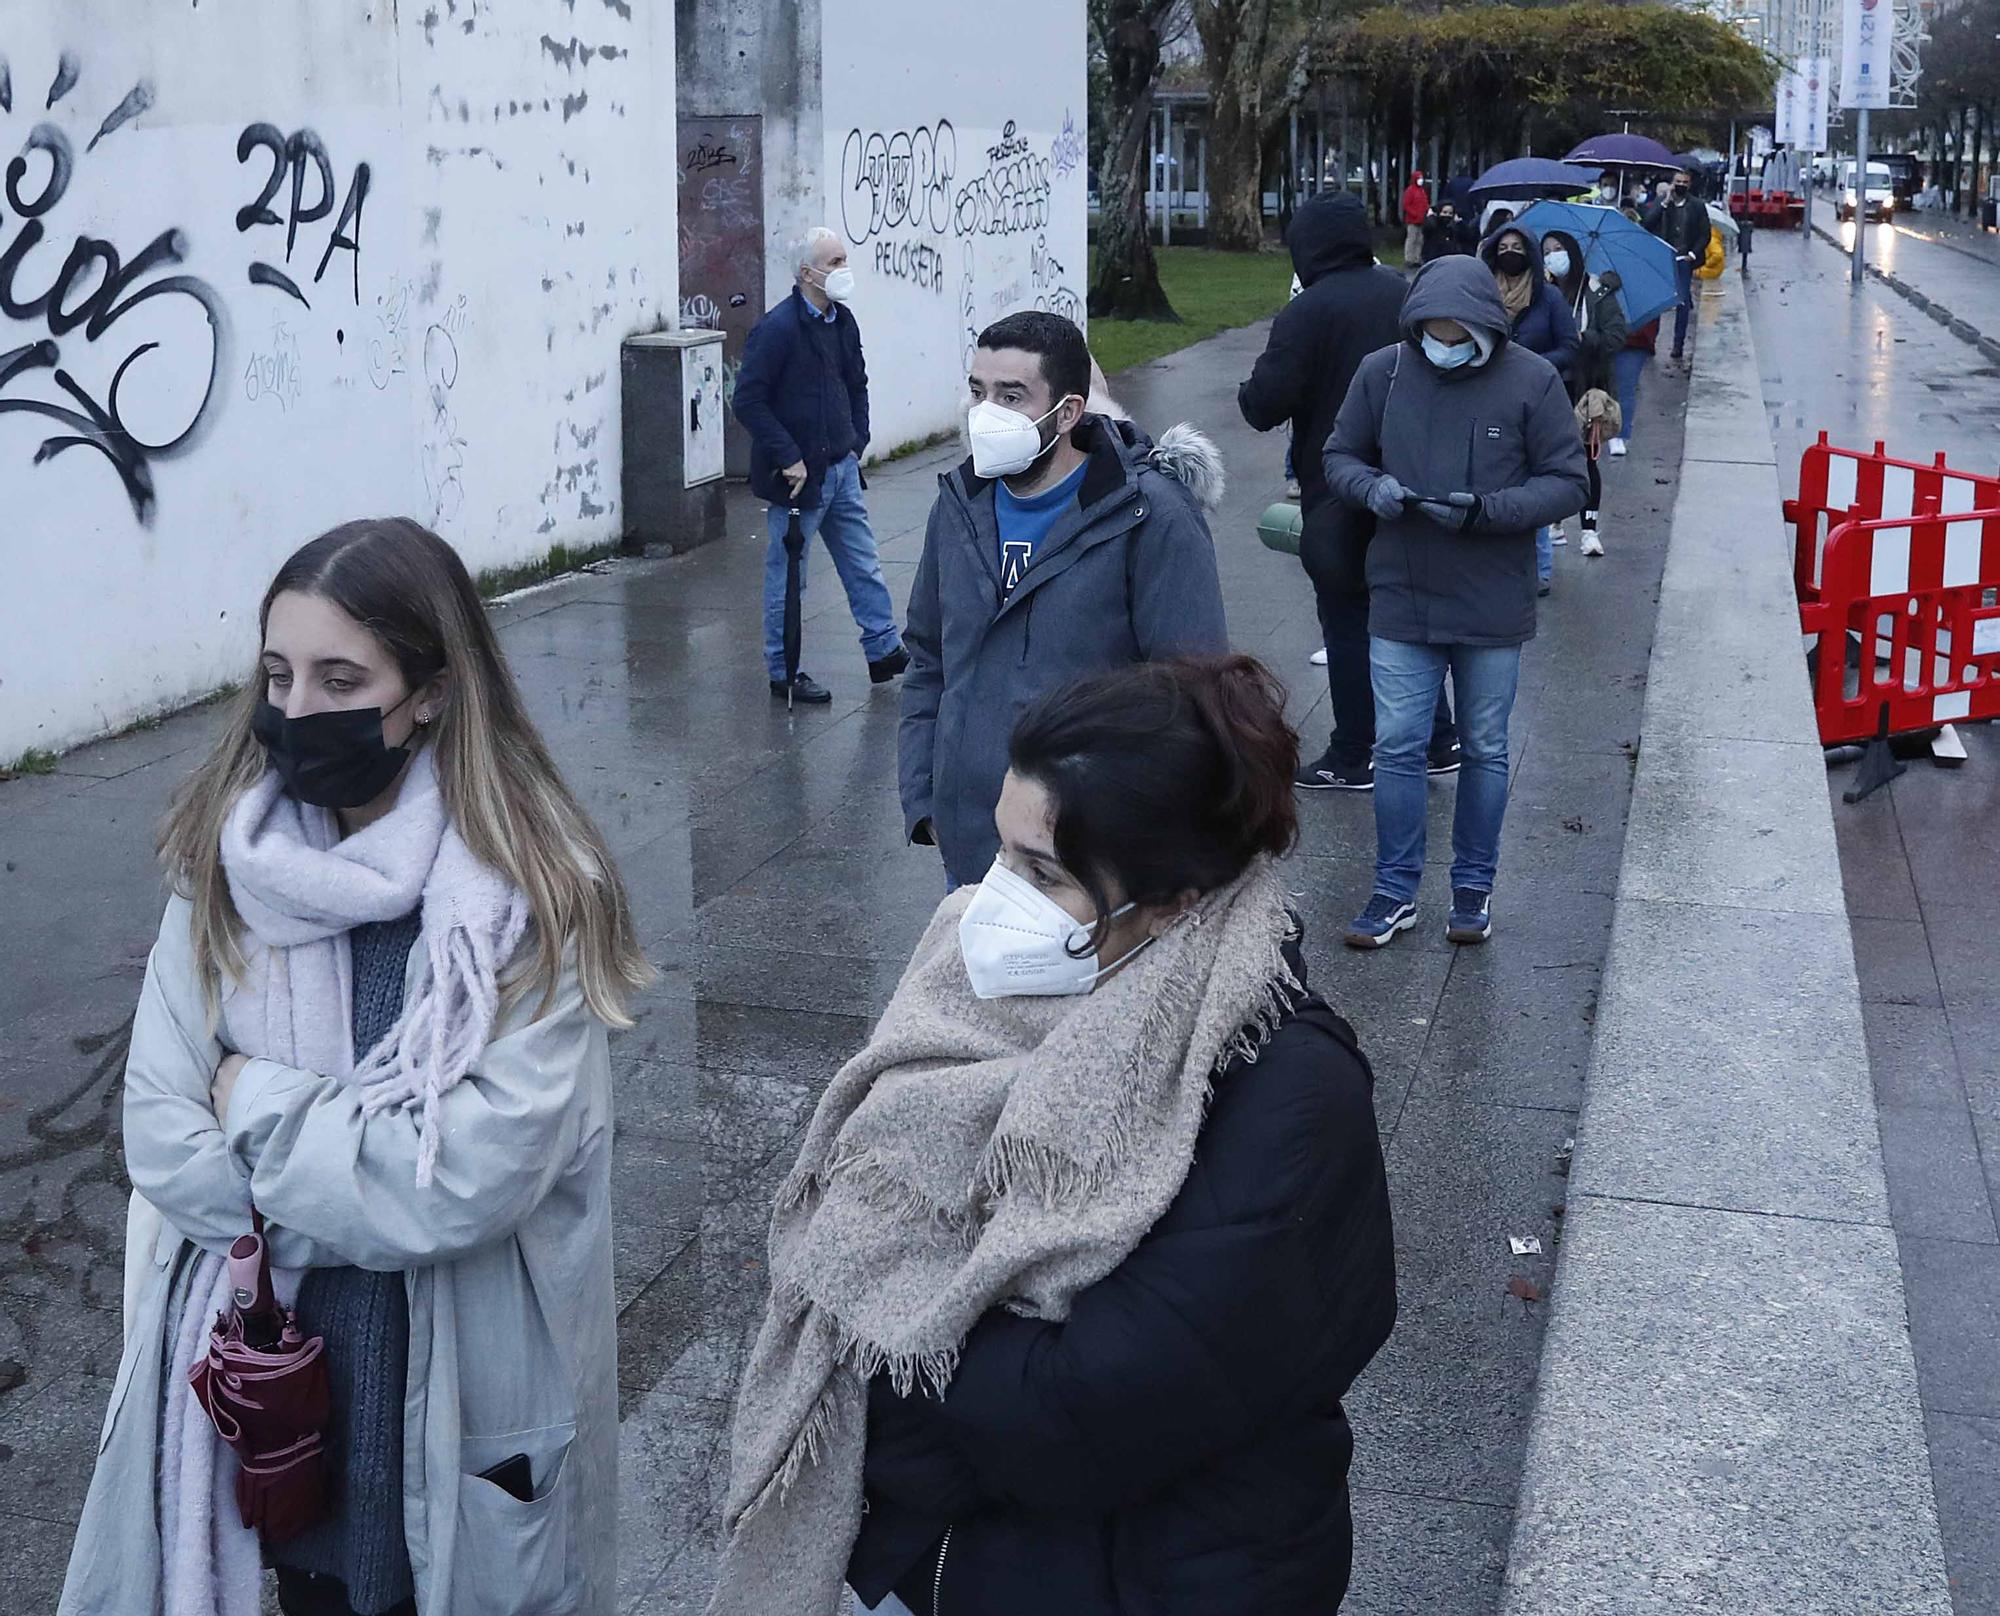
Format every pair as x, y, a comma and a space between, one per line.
1727, 1414
1956, 324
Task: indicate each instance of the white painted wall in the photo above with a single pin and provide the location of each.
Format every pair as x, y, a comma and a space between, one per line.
461, 366
951, 220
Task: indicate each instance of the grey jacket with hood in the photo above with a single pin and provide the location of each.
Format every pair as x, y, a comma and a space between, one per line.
1500, 427
1127, 574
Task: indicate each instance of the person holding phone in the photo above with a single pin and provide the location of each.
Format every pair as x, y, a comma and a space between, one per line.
375, 1019
1462, 443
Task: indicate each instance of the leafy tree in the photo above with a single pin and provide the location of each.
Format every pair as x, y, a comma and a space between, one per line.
1510, 76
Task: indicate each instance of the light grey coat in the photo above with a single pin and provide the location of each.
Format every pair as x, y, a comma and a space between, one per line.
507, 1261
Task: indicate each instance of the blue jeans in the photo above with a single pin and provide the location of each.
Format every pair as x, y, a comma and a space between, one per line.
1629, 363
1407, 680
1684, 279
841, 520
1545, 554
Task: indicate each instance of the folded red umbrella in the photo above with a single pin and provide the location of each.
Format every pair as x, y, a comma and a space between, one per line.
263, 1383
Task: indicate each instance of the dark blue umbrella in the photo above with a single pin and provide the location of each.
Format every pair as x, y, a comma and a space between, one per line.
1527, 177
1610, 241
1624, 151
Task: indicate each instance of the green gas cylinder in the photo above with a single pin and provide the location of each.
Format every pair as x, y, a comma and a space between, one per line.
1279, 527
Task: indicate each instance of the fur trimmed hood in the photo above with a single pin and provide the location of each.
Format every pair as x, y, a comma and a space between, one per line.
1190, 457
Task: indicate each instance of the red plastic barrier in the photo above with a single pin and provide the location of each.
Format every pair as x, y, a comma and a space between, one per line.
1922, 596
1838, 485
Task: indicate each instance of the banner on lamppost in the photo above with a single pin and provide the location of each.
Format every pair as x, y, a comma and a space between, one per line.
1812, 122
1867, 53
1786, 123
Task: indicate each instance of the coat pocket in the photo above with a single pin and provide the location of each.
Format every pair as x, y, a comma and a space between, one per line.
1497, 456
517, 1557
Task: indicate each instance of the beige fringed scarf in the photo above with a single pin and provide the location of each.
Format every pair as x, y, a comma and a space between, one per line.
977, 1154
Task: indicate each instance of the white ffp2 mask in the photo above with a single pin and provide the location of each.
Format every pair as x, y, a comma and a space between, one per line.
1005, 442
838, 284
1018, 942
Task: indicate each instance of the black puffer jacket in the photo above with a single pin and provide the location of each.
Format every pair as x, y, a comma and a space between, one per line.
1177, 1446
1348, 306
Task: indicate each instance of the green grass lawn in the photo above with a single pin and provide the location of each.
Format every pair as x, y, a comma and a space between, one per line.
1211, 291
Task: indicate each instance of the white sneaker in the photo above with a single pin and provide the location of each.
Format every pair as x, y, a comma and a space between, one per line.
1592, 545
1560, 535
1318, 658
1617, 448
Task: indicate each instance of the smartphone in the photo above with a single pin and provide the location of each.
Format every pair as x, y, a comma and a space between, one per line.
513, 1477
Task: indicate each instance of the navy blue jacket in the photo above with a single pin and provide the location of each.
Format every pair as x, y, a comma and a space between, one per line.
1545, 326
1176, 1447
803, 394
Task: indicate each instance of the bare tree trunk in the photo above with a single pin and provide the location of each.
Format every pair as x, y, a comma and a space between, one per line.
1235, 34
1127, 283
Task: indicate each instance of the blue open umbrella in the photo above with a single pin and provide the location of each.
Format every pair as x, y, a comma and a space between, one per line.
1527, 177
1610, 241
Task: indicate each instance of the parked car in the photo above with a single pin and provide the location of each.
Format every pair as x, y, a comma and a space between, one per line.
1881, 198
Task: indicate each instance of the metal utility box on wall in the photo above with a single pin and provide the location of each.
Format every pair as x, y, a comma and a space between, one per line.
673, 436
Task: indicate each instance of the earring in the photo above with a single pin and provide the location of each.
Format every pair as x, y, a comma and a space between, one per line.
423, 715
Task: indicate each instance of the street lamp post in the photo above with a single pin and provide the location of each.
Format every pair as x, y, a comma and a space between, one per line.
1860, 198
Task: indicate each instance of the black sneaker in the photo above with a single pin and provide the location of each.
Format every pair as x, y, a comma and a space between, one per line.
1442, 759
1325, 774
806, 691
888, 667
1471, 916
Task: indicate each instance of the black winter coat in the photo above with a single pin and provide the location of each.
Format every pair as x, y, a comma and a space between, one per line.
802, 392
1683, 224
1349, 307
1177, 1446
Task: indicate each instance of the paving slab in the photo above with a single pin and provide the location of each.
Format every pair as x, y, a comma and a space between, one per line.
1684, 1467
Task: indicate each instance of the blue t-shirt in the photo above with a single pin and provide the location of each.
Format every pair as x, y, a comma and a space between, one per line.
1025, 523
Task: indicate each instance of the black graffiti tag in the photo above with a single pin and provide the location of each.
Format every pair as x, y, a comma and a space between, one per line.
294, 154
888, 181
1012, 196
71, 302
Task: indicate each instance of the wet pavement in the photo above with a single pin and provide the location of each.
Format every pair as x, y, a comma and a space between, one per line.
1920, 860
764, 851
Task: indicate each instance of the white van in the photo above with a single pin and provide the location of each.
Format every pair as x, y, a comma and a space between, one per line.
1881, 202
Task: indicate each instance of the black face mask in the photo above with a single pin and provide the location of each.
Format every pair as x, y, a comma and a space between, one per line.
1680, 190
331, 760
1511, 263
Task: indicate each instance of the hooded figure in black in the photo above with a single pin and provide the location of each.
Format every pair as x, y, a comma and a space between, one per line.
1348, 307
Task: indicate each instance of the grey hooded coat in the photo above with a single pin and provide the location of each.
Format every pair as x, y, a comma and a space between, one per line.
1127, 574
1501, 428
506, 1260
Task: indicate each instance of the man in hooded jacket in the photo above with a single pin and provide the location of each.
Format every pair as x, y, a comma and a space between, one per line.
1348, 307
1462, 443
1068, 543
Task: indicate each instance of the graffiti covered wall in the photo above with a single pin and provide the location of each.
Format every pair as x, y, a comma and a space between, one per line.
268, 266
954, 167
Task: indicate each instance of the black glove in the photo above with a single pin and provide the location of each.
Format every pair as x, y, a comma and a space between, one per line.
1456, 513
924, 834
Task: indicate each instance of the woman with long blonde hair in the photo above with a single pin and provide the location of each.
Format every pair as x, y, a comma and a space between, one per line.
374, 1024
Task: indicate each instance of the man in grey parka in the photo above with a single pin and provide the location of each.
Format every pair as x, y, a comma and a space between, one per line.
1067, 544
1463, 444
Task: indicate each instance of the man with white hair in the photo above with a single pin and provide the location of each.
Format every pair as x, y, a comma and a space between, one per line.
803, 393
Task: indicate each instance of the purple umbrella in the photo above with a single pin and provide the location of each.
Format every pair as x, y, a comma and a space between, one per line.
1529, 177
1624, 151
